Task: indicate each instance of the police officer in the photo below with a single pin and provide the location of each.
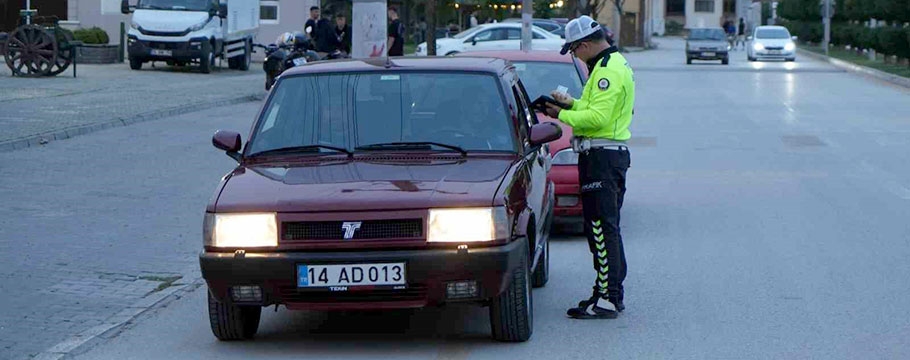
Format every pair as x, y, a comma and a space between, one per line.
600, 122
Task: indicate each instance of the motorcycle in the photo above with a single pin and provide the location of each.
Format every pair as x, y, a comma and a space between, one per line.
289, 51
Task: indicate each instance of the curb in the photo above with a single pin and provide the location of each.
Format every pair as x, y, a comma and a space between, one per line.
862, 70
66, 133
87, 339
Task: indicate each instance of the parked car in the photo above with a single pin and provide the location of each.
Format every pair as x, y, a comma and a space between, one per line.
707, 44
771, 43
497, 36
549, 25
419, 183
540, 73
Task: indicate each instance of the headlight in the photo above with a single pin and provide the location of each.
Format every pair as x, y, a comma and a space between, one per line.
790, 46
468, 225
240, 230
565, 157
758, 47
199, 26
134, 25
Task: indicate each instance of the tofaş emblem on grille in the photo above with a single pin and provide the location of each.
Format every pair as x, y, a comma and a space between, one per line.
349, 228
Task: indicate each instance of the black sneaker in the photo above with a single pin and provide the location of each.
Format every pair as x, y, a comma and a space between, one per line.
618, 303
594, 308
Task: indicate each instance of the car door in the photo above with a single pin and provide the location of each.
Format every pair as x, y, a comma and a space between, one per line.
484, 40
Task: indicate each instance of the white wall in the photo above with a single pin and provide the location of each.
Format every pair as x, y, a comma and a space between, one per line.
696, 19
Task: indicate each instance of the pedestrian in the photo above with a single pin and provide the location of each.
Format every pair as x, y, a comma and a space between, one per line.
473, 19
600, 122
730, 31
325, 35
342, 33
310, 27
741, 35
396, 34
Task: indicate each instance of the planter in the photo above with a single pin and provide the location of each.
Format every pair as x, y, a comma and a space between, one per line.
97, 54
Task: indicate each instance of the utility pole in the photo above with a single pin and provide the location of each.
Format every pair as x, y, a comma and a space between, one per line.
430, 14
527, 12
826, 18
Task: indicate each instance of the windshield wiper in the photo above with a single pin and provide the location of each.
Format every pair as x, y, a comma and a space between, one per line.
304, 148
407, 145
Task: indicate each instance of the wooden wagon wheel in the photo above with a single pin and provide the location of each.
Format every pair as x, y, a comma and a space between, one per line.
66, 54
31, 51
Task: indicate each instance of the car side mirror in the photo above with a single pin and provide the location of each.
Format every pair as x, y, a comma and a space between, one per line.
544, 132
229, 141
222, 10
474, 42
125, 7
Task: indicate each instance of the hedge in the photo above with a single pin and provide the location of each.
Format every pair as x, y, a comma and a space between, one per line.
94, 35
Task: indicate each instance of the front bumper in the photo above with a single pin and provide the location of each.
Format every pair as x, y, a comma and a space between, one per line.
707, 54
194, 49
427, 273
774, 55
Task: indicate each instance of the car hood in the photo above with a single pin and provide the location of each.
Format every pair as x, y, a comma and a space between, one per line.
363, 185
772, 42
168, 20
714, 44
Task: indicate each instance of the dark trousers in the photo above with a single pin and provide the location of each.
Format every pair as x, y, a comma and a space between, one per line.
602, 177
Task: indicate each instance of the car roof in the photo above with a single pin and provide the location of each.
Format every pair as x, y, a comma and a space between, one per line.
518, 55
771, 27
447, 63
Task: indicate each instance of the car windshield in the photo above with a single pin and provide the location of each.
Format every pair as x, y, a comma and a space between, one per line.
541, 78
707, 34
772, 34
182, 5
354, 110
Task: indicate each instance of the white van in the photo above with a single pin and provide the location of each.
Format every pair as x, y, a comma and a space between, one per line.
183, 32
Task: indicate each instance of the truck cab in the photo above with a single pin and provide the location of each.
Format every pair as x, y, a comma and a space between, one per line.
182, 32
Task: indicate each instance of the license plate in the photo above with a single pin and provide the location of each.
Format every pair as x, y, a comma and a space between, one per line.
159, 52
775, 52
299, 61
348, 275
708, 54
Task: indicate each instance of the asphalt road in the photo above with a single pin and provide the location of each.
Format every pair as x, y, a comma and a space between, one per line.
765, 218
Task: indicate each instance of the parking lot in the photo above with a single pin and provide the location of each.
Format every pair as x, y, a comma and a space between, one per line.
765, 218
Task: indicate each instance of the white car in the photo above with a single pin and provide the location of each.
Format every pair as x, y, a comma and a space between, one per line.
498, 36
771, 43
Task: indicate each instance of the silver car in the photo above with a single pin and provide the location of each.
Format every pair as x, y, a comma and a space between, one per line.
707, 44
771, 43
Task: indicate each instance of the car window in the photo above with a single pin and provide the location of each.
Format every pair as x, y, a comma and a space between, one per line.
541, 78
537, 35
772, 34
547, 26
524, 114
355, 109
515, 34
707, 34
532, 116
486, 35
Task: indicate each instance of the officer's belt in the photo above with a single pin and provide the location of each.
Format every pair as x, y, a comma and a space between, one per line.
582, 144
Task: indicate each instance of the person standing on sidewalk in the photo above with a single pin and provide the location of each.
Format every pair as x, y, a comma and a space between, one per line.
396, 34
600, 121
741, 34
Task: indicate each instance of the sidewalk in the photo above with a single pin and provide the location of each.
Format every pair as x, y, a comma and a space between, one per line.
34, 111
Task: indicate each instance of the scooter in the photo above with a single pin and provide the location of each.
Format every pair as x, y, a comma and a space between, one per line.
282, 56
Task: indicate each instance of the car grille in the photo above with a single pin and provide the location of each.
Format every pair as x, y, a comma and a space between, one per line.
163, 33
774, 47
369, 229
164, 45
292, 295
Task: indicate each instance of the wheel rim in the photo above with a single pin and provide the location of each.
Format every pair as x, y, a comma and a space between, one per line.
31, 51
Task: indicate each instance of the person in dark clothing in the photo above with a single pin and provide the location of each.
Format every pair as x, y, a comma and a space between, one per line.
396, 34
311, 22
325, 35
741, 35
342, 33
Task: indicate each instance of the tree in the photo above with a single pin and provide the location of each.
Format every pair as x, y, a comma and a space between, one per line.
596, 6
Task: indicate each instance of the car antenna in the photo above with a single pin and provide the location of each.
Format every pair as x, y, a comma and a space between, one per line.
388, 62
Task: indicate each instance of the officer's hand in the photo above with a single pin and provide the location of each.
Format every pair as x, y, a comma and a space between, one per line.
562, 98
553, 111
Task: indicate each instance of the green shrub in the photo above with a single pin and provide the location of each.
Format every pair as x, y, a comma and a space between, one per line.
674, 28
94, 35
892, 41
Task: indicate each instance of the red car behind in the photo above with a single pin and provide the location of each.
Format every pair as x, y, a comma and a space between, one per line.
541, 72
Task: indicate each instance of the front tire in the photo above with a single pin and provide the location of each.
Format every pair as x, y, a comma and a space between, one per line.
233, 322
207, 61
135, 64
725, 61
688, 61
511, 313
791, 59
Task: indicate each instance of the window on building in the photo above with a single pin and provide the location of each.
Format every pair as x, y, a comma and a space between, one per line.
704, 6
676, 7
268, 12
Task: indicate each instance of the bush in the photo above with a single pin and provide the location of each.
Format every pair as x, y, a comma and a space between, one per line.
674, 28
806, 31
868, 38
94, 35
892, 41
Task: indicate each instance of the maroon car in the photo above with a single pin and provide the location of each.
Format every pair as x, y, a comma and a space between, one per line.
381, 185
541, 72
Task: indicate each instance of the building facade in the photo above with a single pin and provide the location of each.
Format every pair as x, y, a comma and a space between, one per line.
701, 13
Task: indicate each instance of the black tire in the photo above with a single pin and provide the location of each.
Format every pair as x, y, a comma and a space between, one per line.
725, 61
752, 59
512, 312
233, 322
791, 59
207, 62
542, 273
688, 61
247, 57
135, 64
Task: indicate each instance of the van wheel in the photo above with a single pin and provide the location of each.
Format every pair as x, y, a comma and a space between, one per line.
688, 61
135, 64
247, 58
233, 322
725, 61
207, 61
511, 313
542, 273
